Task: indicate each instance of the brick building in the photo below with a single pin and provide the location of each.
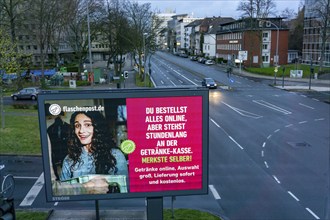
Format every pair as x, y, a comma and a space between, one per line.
263, 39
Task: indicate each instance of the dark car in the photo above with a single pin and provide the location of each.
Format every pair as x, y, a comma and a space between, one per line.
26, 93
209, 83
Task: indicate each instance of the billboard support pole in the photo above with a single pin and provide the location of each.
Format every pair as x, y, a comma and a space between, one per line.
154, 208
97, 210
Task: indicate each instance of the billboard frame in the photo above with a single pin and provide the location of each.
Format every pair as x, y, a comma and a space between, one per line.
122, 94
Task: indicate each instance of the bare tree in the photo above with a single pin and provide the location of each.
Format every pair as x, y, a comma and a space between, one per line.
43, 16
144, 27
12, 15
62, 11
296, 26
77, 31
115, 33
257, 8
321, 16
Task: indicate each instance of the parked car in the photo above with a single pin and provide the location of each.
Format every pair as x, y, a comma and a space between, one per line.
209, 83
201, 60
193, 58
209, 62
183, 55
26, 93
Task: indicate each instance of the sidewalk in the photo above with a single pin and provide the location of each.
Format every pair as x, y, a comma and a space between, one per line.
103, 214
320, 85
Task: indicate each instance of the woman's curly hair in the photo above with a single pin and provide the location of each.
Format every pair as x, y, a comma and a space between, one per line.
101, 144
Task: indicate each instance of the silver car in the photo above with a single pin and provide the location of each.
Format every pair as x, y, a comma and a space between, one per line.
26, 93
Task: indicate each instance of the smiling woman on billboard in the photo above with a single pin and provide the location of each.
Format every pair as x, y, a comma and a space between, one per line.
91, 148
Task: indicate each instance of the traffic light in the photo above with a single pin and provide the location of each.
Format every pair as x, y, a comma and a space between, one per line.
7, 210
126, 74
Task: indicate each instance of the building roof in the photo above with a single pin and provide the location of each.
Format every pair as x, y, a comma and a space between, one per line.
215, 24
194, 23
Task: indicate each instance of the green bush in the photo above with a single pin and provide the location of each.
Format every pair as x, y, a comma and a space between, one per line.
82, 83
72, 68
24, 106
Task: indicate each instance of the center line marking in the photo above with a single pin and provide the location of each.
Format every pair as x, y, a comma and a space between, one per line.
313, 214
307, 106
236, 142
266, 164
276, 179
291, 194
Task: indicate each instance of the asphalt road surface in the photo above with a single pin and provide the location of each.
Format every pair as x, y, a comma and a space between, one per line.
268, 150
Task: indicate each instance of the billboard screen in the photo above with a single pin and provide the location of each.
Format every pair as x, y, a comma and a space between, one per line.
102, 144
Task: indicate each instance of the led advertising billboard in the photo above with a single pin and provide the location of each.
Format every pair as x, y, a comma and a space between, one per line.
102, 144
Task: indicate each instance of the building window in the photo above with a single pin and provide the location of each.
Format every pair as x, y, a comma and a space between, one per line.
265, 59
265, 46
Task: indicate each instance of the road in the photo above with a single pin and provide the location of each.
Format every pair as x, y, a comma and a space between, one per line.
268, 150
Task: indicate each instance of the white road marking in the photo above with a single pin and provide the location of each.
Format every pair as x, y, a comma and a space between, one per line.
266, 164
34, 191
236, 142
293, 196
216, 124
319, 119
272, 106
269, 136
288, 125
277, 130
302, 122
315, 99
313, 214
243, 113
227, 134
276, 179
307, 106
214, 192
264, 144
303, 96
262, 153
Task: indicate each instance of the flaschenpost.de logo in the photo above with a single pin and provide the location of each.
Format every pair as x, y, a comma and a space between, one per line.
55, 109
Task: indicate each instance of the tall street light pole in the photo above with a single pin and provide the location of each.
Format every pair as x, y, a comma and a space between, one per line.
89, 47
144, 58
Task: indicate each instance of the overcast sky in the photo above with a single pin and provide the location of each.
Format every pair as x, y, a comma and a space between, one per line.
209, 8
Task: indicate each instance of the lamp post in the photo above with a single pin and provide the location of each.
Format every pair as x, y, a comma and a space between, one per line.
89, 47
310, 74
144, 58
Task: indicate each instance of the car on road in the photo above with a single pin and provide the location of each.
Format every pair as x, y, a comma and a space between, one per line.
26, 93
209, 62
209, 83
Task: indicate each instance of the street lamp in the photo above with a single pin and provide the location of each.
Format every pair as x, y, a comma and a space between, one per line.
89, 48
144, 58
310, 74
277, 39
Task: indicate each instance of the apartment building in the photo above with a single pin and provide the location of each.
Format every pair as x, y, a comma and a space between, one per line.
161, 38
312, 40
